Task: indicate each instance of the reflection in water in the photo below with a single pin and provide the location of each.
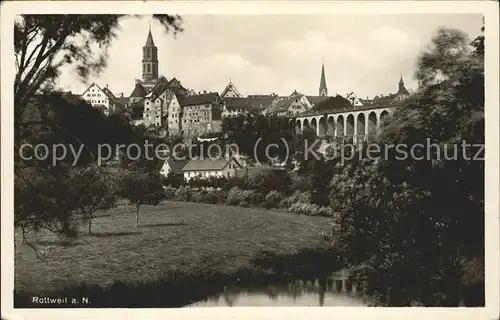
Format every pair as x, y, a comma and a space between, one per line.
307, 292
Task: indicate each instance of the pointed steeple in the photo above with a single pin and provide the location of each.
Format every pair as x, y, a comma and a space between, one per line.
149, 40
323, 91
149, 62
402, 92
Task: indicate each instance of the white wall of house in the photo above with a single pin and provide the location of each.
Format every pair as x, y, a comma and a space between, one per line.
95, 96
202, 174
231, 112
155, 110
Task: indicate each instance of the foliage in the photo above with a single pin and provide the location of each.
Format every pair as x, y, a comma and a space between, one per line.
273, 199
331, 104
254, 133
266, 181
311, 209
92, 191
170, 193
183, 194
237, 196
173, 180
212, 181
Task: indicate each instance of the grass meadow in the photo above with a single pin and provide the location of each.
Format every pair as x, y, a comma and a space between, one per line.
179, 253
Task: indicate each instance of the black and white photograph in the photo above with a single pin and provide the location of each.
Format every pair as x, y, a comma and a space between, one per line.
181, 158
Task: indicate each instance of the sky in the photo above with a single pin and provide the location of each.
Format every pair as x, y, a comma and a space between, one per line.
263, 54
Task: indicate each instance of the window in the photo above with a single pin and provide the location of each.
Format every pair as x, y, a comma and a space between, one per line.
149, 68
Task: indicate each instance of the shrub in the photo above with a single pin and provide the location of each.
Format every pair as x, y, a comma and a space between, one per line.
211, 196
311, 209
273, 199
235, 196
198, 196
183, 194
284, 203
231, 182
325, 212
299, 183
222, 196
296, 197
256, 198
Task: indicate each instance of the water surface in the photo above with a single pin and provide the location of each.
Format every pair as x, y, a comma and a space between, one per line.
303, 293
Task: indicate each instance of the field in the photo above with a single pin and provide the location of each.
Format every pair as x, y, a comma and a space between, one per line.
174, 237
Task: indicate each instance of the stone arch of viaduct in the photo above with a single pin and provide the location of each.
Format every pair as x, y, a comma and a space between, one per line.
358, 125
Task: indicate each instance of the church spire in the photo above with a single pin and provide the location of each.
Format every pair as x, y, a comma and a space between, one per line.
402, 92
323, 91
149, 40
149, 61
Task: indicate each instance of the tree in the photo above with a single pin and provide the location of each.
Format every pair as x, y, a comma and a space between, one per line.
401, 221
92, 192
255, 133
142, 188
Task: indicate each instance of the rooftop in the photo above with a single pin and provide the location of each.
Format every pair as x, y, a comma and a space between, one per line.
207, 164
203, 98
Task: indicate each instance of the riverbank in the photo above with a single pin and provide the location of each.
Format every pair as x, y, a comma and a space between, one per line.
180, 253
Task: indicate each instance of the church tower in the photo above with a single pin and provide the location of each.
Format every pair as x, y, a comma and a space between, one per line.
402, 92
323, 91
149, 62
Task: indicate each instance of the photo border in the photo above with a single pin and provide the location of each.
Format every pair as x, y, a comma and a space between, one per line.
488, 8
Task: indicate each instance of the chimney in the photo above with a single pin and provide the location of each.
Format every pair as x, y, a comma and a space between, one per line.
204, 91
121, 95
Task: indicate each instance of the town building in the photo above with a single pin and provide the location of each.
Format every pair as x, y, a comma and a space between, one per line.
101, 98
402, 92
230, 91
290, 106
162, 107
251, 104
201, 114
206, 168
173, 166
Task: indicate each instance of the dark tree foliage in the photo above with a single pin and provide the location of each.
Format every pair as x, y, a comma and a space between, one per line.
142, 189
173, 180
254, 134
334, 103
412, 227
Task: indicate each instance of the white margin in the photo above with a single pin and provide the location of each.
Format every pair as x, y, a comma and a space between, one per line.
488, 8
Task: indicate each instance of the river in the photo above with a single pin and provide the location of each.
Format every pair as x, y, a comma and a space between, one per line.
317, 292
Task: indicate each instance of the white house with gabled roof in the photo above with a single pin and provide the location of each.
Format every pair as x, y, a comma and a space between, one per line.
99, 98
